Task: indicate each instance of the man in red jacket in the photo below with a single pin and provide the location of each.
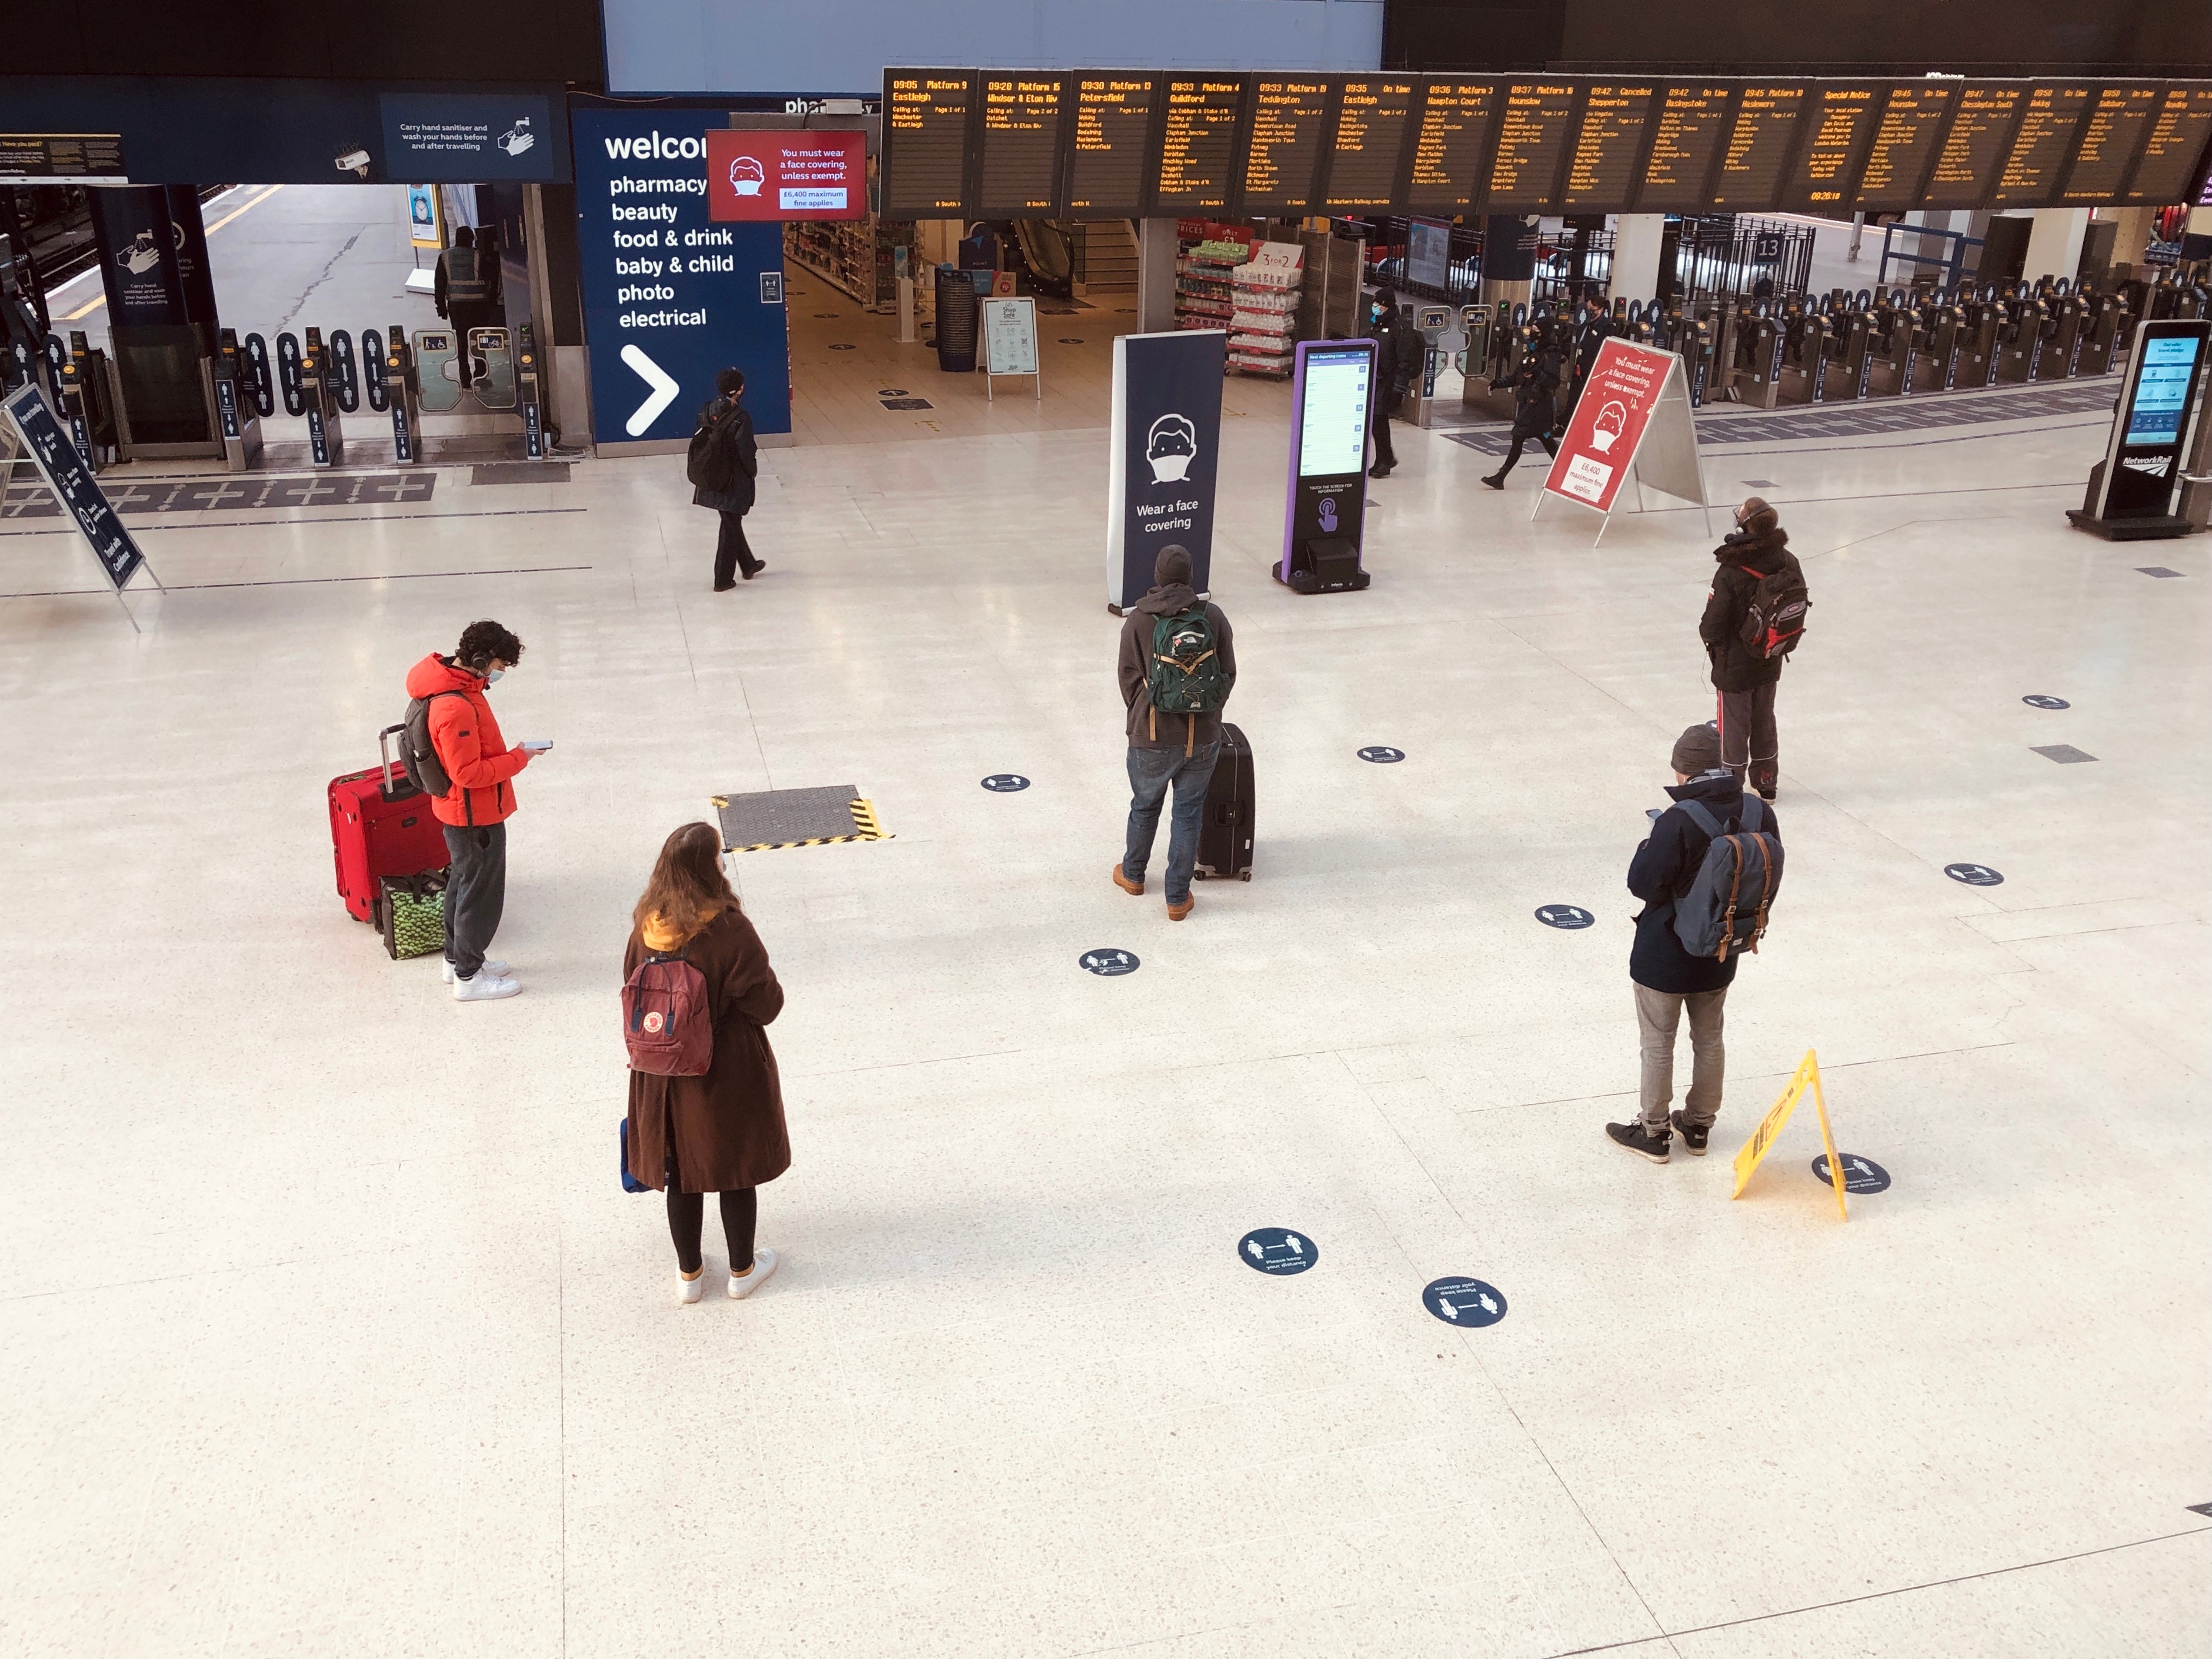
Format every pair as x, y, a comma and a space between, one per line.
475, 810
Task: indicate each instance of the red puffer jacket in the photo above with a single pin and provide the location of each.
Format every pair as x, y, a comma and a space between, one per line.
469, 745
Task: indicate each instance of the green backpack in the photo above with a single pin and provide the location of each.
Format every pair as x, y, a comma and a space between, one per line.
1186, 677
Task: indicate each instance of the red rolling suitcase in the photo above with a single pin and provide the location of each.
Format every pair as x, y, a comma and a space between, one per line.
381, 825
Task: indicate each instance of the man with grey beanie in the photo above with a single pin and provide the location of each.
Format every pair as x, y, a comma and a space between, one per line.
1177, 667
1667, 979
1758, 595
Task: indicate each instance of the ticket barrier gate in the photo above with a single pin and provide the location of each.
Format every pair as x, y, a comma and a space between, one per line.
1697, 348
403, 397
1438, 344
1942, 329
1984, 329
1804, 353
2107, 331
86, 383
1892, 347
529, 388
1850, 340
237, 403
1754, 371
491, 368
2068, 335
309, 379
2021, 339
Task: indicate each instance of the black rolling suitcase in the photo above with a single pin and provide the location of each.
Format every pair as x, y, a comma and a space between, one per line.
1225, 834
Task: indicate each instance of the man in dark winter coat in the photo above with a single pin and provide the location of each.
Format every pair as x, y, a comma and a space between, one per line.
1399, 349
1168, 749
1594, 329
1745, 678
724, 459
1534, 382
1667, 979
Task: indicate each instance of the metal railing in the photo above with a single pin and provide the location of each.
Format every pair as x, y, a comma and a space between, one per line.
1726, 256
1952, 263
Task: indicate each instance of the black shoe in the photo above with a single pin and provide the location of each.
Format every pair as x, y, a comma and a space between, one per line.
759, 565
1766, 791
1496, 481
1378, 471
1695, 1135
724, 587
1638, 1140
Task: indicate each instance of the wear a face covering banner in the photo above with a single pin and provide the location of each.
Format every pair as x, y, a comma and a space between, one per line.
1166, 450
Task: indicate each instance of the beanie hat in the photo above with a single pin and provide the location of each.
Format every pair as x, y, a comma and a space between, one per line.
1697, 750
1173, 565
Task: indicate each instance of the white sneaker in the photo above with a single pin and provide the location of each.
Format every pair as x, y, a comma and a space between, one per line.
497, 969
691, 1289
486, 987
744, 1285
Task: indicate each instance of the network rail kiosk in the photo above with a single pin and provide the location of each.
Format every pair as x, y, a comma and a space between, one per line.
1332, 411
2135, 490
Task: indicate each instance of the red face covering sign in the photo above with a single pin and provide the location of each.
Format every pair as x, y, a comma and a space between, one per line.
1608, 422
785, 175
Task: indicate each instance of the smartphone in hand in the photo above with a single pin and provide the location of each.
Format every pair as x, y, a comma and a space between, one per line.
538, 745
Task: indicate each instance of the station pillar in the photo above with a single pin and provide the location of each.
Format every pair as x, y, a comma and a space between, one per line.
1156, 276
1636, 244
2054, 246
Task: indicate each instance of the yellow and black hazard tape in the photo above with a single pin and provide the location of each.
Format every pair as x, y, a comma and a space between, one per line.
866, 827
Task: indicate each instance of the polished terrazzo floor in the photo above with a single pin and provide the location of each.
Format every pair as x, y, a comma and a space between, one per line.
329, 1329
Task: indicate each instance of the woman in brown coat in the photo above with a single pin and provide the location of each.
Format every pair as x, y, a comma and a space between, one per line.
722, 1132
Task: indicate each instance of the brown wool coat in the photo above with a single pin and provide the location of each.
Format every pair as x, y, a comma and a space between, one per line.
728, 1125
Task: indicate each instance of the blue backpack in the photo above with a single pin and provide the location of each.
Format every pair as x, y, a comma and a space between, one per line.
1724, 909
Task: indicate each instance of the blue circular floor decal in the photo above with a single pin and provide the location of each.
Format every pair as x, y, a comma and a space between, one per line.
1974, 875
1564, 915
1004, 783
1469, 1303
1277, 1250
1108, 962
2046, 702
1861, 1175
1382, 755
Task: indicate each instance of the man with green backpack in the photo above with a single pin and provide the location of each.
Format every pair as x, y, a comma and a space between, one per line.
1177, 667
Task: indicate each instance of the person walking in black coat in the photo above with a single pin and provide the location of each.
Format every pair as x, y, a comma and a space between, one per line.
1399, 349
1534, 383
724, 462
1667, 980
1745, 678
1596, 328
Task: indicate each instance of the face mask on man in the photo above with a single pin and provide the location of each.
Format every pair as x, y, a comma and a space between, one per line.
492, 678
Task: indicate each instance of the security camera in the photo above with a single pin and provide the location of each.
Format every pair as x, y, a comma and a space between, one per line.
355, 160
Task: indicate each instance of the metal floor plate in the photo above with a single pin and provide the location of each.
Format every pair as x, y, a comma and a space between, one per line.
795, 817
1723, 424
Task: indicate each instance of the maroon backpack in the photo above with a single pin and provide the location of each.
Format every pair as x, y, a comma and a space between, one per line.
666, 1019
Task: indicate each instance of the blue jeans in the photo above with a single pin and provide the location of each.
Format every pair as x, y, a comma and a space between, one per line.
1151, 772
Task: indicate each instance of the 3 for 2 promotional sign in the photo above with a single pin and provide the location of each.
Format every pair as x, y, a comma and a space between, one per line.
785, 175
1608, 422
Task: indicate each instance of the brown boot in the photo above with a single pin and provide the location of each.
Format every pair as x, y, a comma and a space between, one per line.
1177, 911
1125, 884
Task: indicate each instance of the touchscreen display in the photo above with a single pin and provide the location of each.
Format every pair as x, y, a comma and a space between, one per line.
2161, 392
1333, 426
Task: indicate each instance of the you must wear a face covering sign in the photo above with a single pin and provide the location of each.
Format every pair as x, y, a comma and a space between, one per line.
1166, 439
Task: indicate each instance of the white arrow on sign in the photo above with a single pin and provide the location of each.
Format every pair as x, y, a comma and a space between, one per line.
664, 391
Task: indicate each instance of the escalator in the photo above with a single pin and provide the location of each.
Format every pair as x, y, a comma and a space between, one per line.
1048, 255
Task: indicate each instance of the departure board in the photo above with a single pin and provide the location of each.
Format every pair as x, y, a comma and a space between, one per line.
1532, 141
1112, 117
1693, 116
1601, 167
2042, 145
1759, 141
1912, 118
1021, 146
1285, 145
1449, 144
926, 142
1197, 146
1839, 126
1967, 166
2111, 136
2167, 172
1373, 115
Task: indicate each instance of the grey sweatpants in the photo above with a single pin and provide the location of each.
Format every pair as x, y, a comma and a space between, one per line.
1747, 735
475, 893
1658, 1015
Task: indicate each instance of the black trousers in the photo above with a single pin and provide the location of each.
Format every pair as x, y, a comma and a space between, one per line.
731, 554
1384, 408
1513, 454
687, 1214
1749, 744
476, 894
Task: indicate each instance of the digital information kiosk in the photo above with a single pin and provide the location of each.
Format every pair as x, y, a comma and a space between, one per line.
2135, 491
1331, 402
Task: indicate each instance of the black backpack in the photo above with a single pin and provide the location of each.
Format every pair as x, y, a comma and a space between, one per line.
1774, 619
418, 756
1724, 909
699, 468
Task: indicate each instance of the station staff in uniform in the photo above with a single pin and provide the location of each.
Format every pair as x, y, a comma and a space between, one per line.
467, 289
